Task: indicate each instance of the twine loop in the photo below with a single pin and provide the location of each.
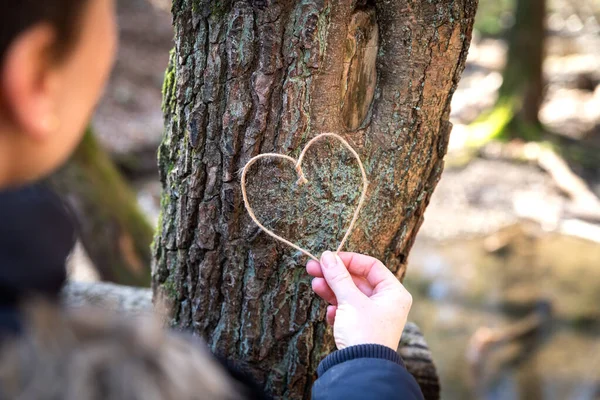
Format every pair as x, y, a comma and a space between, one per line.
302, 180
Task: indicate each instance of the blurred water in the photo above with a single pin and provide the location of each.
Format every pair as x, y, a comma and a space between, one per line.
514, 315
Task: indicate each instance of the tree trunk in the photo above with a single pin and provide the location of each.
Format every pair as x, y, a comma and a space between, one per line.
115, 233
523, 83
520, 97
248, 77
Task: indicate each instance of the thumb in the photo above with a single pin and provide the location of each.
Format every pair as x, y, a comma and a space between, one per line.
337, 276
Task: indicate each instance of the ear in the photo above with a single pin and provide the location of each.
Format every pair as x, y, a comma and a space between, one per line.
29, 82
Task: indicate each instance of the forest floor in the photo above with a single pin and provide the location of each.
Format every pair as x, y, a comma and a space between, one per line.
492, 222
493, 191
504, 272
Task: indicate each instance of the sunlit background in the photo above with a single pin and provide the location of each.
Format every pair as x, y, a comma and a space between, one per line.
506, 268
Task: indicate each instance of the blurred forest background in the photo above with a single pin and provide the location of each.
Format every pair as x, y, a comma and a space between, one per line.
505, 272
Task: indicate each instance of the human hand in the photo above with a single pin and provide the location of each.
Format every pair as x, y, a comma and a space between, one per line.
368, 304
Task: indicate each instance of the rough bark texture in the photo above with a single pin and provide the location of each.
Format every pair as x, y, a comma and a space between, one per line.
115, 233
248, 77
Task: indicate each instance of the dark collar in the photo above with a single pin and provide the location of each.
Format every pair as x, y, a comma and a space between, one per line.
10, 322
36, 236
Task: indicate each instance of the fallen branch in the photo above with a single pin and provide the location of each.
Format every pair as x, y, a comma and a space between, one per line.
108, 296
485, 340
585, 205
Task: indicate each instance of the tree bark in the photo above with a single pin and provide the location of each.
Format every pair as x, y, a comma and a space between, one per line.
114, 232
248, 77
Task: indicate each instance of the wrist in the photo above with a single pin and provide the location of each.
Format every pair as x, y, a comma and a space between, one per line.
383, 336
368, 350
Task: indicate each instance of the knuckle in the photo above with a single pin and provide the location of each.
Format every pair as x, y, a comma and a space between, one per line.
408, 299
339, 277
403, 296
381, 265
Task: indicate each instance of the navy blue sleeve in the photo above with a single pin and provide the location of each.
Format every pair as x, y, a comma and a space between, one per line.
366, 371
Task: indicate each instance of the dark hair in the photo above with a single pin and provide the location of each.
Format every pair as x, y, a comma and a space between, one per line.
19, 15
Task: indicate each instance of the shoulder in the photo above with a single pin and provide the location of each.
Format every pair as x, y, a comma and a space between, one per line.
101, 353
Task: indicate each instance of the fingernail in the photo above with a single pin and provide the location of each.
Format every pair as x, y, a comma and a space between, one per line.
328, 259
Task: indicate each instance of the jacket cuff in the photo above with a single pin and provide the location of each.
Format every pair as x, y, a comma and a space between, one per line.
359, 351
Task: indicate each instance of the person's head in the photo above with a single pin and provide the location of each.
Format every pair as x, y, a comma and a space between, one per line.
55, 58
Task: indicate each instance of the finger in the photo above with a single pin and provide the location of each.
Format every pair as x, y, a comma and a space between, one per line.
314, 269
338, 278
323, 290
330, 316
362, 285
370, 268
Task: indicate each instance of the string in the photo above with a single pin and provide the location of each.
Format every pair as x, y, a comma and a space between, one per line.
302, 180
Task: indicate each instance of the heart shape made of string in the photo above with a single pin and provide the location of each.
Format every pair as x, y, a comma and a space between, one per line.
301, 180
